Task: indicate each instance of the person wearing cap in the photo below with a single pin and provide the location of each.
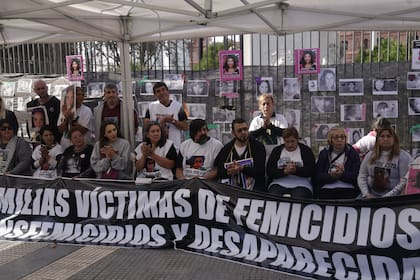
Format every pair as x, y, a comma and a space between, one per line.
167, 112
196, 155
15, 155
241, 162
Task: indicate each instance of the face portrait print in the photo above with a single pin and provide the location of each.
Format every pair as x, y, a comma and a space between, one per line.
326, 79
197, 88
414, 106
291, 89
74, 65
384, 86
385, 108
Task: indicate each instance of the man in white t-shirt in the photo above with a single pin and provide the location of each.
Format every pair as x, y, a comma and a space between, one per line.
168, 112
196, 155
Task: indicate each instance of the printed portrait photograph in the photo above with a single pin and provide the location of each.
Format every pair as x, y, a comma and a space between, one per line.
413, 80
353, 112
415, 134
24, 86
306, 61
323, 104
384, 86
327, 79
142, 107
197, 110
313, 85
263, 85
321, 130
56, 90
214, 131
74, 66
228, 89
349, 87
230, 65
9, 103
226, 138
21, 103
68, 102
7, 89
173, 81
198, 88
95, 90
414, 106
415, 153
354, 134
293, 118
220, 115
291, 89
385, 108
176, 97
146, 87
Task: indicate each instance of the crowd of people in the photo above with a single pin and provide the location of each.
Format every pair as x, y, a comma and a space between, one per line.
265, 155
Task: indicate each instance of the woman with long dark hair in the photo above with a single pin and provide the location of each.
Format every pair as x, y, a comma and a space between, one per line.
111, 154
382, 168
156, 156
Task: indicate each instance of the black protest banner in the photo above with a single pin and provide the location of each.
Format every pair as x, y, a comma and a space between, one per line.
377, 239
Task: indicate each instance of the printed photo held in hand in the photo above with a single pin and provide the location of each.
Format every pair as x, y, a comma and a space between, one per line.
306, 61
74, 66
230, 65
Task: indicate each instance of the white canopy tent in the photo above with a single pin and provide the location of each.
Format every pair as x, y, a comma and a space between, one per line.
125, 21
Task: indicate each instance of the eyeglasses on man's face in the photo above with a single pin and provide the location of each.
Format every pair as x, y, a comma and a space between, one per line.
4, 128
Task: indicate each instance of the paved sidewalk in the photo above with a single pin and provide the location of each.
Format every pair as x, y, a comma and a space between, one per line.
30, 260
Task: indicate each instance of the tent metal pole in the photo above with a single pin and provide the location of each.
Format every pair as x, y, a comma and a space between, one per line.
127, 92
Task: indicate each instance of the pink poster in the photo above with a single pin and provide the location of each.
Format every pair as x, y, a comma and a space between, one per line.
74, 66
230, 65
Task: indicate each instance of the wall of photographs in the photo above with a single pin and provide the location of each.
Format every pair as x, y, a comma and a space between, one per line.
352, 97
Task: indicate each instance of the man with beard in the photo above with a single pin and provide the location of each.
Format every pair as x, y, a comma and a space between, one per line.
241, 162
196, 155
110, 110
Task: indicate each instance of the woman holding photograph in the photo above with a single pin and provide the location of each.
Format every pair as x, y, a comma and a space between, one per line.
307, 61
231, 65
75, 161
8, 115
111, 154
383, 168
290, 167
156, 156
47, 155
337, 168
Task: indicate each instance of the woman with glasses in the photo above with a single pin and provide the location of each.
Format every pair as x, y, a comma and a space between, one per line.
15, 152
337, 168
382, 168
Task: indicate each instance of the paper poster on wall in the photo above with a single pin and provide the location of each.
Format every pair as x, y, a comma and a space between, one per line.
230, 65
415, 58
74, 66
306, 61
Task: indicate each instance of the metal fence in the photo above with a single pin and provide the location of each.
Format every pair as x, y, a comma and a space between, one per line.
200, 54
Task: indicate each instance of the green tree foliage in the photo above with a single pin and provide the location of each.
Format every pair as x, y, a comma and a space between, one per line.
210, 59
383, 49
